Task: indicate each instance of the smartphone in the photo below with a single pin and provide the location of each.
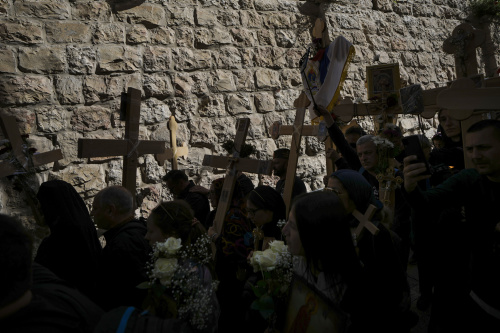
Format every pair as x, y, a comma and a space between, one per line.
413, 147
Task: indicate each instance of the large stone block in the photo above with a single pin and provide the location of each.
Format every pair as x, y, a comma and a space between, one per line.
202, 133
153, 173
179, 16
264, 102
68, 142
285, 98
251, 19
188, 60
185, 37
201, 83
91, 11
7, 60
244, 80
150, 15
154, 111
205, 38
109, 33
277, 20
162, 35
266, 5
94, 88
158, 85
290, 78
225, 129
53, 9
68, 32
212, 106
28, 89
23, 32
69, 89
239, 103
25, 118
266, 37
244, 37
229, 18
114, 58
223, 82
206, 17
228, 58
90, 118
87, 179
157, 58
52, 119
137, 34
183, 109
4, 7
267, 79
81, 60
285, 38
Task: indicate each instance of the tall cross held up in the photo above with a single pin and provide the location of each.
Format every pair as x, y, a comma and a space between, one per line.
130, 147
173, 152
233, 165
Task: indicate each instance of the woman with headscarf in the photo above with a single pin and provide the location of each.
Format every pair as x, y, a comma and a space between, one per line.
72, 249
378, 253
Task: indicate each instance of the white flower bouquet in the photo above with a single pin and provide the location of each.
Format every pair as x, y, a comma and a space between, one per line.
271, 291
180, 285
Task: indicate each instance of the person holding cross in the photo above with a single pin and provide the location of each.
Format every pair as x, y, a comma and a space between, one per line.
181, 187
122, 265
478, 191
280, 164
379, 253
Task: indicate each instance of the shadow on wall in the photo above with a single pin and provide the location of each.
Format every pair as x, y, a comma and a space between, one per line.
119, 5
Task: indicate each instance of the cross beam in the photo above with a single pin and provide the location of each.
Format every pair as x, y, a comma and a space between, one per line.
173, 152
11, 132
365, 221
130, 147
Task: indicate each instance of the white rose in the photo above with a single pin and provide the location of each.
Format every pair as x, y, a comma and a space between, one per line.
278, 246
164, 270
170, 246
267, 260
254, 260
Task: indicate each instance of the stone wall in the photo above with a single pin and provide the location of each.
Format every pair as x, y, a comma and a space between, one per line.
64, 65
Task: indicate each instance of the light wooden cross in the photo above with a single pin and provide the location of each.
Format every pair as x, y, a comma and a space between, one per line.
233, 165
130, 147
173, 152
301, 104
11, 132
462, 44
320, 131
365, 221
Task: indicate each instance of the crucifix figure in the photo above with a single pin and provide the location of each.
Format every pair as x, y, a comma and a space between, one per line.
174, 151
130, 147
233, 165
22, 159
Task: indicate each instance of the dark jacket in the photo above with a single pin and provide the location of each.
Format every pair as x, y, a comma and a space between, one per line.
198, 202
123, 266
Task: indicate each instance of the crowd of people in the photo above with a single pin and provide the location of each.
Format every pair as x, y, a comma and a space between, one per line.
447, 217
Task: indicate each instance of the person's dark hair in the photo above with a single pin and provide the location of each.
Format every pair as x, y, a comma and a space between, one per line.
448, 143
326, 237
266, 197
355, 130
281, 153
175, 176
16, 248
176, 218
484, 124
239, 191
117, 196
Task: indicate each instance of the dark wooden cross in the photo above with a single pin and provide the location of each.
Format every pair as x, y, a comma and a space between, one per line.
130, 147
11, 132
173, 152
233, 165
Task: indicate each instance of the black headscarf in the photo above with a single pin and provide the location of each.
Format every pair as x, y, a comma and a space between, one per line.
72, 249
359, 189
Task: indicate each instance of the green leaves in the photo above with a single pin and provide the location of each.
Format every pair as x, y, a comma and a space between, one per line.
265, 305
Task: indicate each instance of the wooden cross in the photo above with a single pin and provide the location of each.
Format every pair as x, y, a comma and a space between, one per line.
462, 44
320, 131
365, 221
301, 104
233, 165
11, 132
130, 147
173, 152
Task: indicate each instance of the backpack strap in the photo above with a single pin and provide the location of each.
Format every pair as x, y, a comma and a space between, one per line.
124, 320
